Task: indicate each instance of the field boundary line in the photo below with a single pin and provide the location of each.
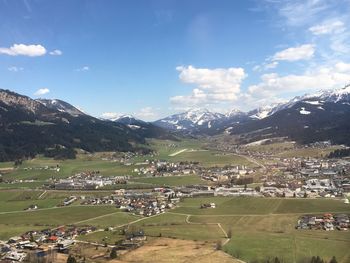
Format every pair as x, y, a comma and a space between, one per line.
178, 152
42, 194
101, 216
218, 224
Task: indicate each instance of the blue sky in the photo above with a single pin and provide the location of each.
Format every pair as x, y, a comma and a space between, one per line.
154, 58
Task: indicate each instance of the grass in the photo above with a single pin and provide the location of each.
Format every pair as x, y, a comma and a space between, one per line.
272, 147
24, 185
211, 158
7, 232
163, 219
229, 206
101, 237
253, 206
34, 169
194, 153
21, 205
186, 231
18, 200
171, 180
55, 216
308, 152
111, 220
261, 227
265, 228
312, 206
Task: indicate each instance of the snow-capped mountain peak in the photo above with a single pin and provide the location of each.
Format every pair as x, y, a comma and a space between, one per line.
262, 112
61, 106
189, 119
122, 116
233, 112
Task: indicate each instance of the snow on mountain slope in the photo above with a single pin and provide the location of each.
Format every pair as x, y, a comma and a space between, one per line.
204, 121
190, 119
61, 106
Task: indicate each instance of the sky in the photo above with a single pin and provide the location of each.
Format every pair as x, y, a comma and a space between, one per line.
153, 58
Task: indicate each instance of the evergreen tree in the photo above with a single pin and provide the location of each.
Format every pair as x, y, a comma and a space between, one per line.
229, 233
71, 259
113, 253
218, 245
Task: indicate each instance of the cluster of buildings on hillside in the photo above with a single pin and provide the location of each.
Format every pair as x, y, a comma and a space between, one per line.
326, 222
35, 246
43, 245
147, 204
140, 203
306, 176
88, 181
225, 174
163, 168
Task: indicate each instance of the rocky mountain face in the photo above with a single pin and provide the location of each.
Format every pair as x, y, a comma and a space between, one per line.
21, 102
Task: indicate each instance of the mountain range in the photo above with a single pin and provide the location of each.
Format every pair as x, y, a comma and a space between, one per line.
320, 116
56, 128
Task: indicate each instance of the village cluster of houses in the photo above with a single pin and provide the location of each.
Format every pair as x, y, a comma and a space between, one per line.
41, 244
159, 168
88, 181
222, 174
307, 177
141, 203
326, 222
148, 204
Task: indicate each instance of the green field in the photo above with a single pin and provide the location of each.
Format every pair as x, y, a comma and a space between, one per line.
112, 220
308, 152
271, 147
261, 227
67, 168
36, 169
101, 237
257, 206
193, 152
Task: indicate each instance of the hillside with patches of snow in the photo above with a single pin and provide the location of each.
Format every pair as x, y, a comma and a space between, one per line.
189, 120
61, 106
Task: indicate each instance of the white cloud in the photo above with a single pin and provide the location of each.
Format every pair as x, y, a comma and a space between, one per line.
56, 52
15, 69
212, 85
111, 115
24, 50
342, 67
266, 66
147, 113
301, 12
40, 92
85, 68
303, 52
328, 27
273, 86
